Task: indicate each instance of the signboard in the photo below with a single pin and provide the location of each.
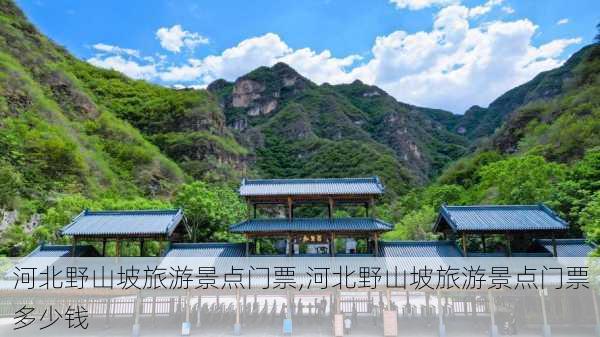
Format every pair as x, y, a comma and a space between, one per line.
390, 323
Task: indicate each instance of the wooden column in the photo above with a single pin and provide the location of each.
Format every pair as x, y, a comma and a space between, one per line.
247, 244
332, 244
103, 247
464, 244
74, 247
290, 244
372, 202
290, 214
376, 243
254, 205
554, 249
248, 209
483, 242
118, 247
331, 208
141, 247
508, 247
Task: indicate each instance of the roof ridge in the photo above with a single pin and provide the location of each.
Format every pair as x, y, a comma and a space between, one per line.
536, 206
205, 244
422, 242
246, 181
133, 211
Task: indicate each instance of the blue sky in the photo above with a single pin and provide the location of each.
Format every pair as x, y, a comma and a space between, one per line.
446, 54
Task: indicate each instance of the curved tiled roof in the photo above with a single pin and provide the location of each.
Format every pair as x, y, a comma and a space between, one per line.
320, 186
500, 218
311, 225
123, 223
568, 247
212, 249
418, 249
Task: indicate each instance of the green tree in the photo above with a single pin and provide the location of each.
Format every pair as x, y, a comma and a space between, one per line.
436, 195
415, 225
575, 192
10, 183
209, 210
590, 218
521, 180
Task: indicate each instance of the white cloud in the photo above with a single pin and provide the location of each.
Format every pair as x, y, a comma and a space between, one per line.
420, 4
563, 21
128, 67
264, 50
110, 49
175, 38
457, 63
508, 9
484, 9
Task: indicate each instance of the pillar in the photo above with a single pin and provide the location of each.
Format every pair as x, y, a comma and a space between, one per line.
153, 308
198, 322
141, 247
372, 202
248, 209
464, 244
441, 325
107, 320
546, 331
290, 215
407, 309
135, 332
287, 321
376, 243
331, 206
508, 248
237, 327
103, 247
290, 244
74, 247
247, 244
118, 247
332, 244
596, 311
493, 326
554, 250
186, 325
483, 243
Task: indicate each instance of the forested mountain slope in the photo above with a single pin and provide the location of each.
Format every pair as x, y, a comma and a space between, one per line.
300, 129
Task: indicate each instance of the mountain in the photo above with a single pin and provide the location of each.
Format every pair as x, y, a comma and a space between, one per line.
561, 119
297, 128
480, 122
68, 127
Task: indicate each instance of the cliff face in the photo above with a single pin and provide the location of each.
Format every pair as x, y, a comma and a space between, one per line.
278, 107
69, 127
